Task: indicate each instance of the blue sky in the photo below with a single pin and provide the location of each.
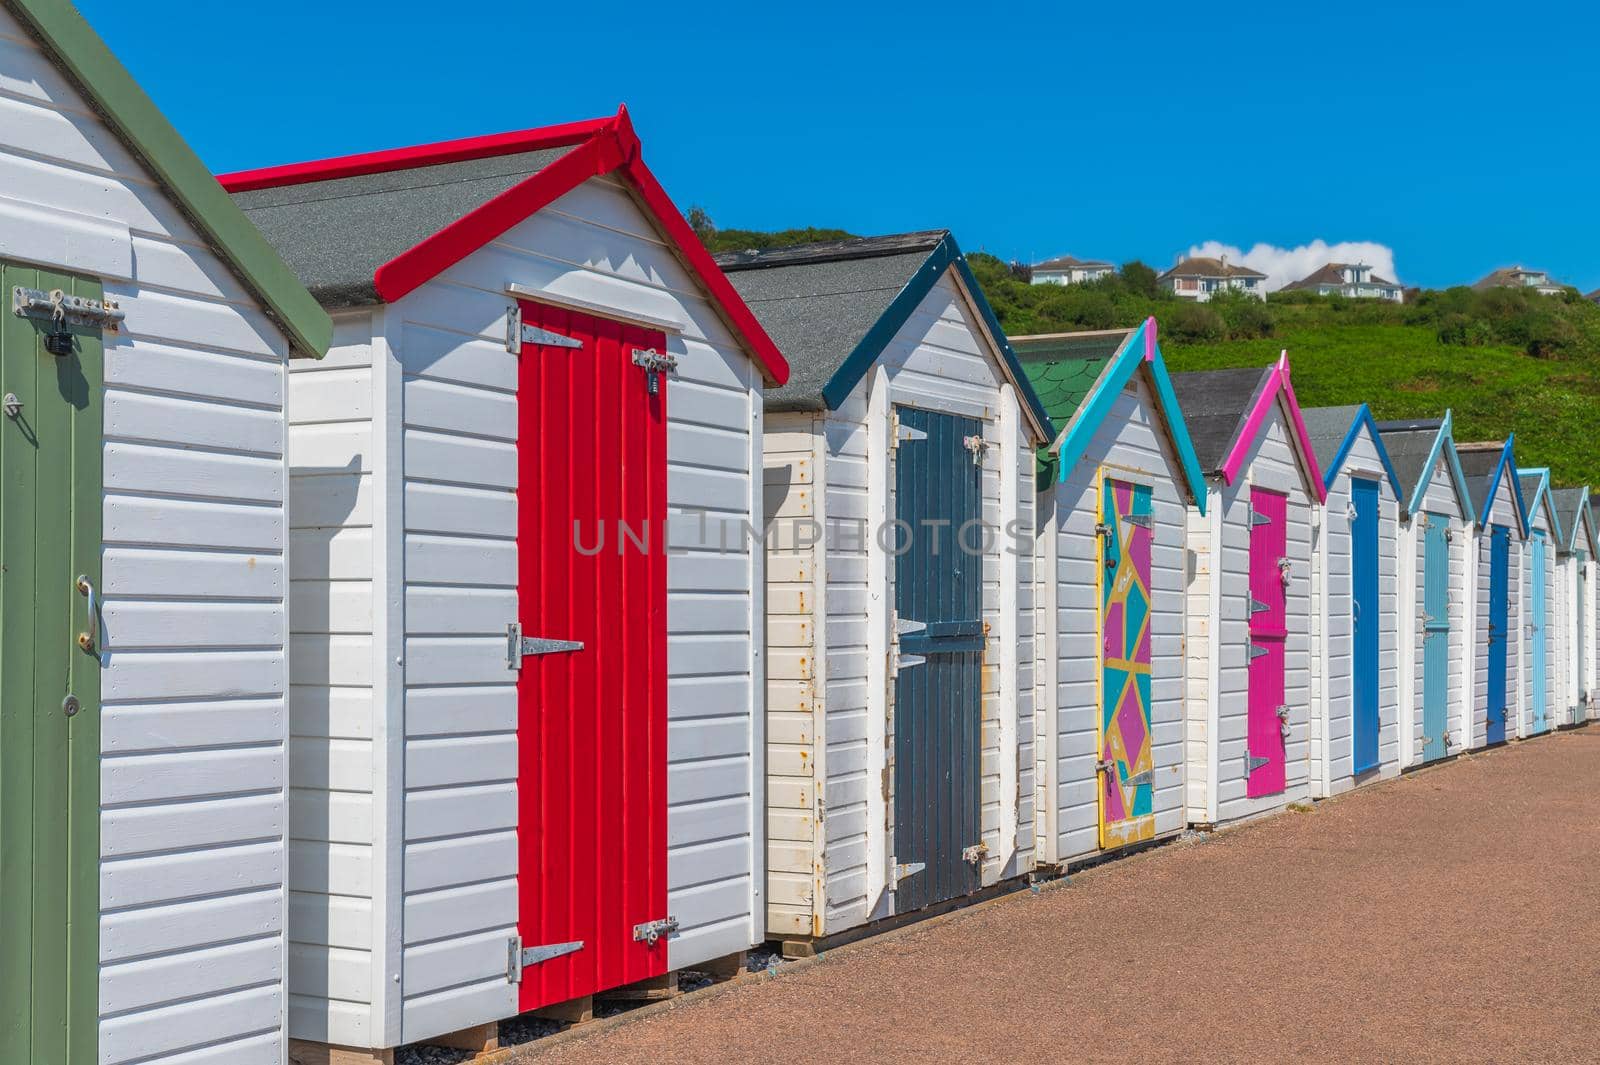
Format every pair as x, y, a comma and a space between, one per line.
1458, 135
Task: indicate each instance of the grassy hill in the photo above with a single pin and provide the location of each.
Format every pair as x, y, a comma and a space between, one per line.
1503, 361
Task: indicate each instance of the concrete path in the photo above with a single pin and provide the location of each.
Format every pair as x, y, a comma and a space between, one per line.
1449, 916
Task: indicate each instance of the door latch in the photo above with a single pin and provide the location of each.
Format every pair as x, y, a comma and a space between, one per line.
977, 445
651, 932
974, 854
654, 363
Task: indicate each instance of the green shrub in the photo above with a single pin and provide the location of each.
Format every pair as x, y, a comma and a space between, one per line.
1194, 323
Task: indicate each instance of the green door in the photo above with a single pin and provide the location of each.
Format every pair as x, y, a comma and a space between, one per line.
50, 436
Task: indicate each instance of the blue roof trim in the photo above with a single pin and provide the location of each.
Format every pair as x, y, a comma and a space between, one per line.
1586, 519
1506, 461
945, 255
1363, 419
1542, 495
1445, 435
1097, 406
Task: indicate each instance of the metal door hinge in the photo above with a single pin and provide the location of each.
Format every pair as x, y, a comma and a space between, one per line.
519, 957
1257, 606
1256, 651
518, 334
519, 646
1141, 520
899, 871
1257, 518
907, 627
1252, 763
1138, 780
57, 306
654, 363
974, 854
652, 932
905, 434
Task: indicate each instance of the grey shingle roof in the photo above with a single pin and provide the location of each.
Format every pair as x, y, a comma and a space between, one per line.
1214, 402
1200, 266
335, 234
1478, 463
1327, 427
1333, 274
1409, 444
1567, 503
817, 301
1068, 262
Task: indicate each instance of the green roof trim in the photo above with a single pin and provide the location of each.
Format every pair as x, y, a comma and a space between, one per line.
134, 117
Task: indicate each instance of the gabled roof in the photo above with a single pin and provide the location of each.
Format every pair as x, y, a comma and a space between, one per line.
1052, 360
1200, 266
834, 306
1512, 277
374, 227
1333, 274
1486, 465
1535, 487
1415, 448
1572, 511
1068, 262
136, 120
1225, 409
1333, 432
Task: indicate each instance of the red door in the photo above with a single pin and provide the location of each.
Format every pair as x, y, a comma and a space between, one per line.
591, 722
1267, 724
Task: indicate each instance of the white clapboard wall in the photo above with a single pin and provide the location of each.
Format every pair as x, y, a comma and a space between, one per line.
193, 717
404, 445
1130, 444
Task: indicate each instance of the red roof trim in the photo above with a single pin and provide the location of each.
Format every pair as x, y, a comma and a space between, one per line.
527, 140
605, 145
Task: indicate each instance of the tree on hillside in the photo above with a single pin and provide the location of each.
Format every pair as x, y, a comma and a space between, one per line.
699, 220
1140, 279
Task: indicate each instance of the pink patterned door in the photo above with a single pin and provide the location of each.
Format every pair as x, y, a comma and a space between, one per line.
1127, 762
1267, 723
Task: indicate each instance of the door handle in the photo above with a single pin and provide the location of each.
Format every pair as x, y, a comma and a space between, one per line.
91, 639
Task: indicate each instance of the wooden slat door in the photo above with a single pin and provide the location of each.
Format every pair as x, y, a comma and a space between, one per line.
1267, 723
50, 487
938, 701
1435, 637
1364, 622
1126, 747
592, 723
1538, 601
1499, 634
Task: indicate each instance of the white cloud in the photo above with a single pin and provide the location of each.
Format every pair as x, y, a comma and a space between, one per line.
1285, 265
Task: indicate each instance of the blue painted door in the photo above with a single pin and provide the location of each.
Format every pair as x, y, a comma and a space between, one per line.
1364, 621
938, 601
1499, 645
1536, 628
1435, 636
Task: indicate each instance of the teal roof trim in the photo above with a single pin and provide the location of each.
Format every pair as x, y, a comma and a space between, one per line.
1541, 495
1445, 436
1140, 349
944, 256
1363, 420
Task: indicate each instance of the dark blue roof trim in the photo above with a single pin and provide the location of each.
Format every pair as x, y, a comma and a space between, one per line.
946, 254
1364, 419
1508, 465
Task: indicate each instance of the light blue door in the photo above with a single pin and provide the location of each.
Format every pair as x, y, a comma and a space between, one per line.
1536, 607
1435, 636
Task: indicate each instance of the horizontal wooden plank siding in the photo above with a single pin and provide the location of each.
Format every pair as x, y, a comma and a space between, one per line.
194, 718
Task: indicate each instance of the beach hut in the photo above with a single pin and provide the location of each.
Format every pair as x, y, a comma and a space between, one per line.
1491, 471
1248, 629
527, 604
143, 366
1436, 586
899, 472
1577, 555
1355, 734
1542, 637
1119, 480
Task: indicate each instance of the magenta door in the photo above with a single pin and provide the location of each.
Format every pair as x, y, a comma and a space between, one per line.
1268, 720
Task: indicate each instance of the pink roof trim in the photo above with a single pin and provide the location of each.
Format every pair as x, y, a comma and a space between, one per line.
1279, 389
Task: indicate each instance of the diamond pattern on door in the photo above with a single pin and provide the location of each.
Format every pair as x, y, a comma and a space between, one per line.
1127, 786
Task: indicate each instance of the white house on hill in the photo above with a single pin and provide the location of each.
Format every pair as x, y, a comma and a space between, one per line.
1066, 270
1349, 279
1519, 277
1199, 277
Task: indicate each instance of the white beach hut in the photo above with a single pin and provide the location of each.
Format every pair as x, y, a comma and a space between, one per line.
1497, 584
1248, 629
1113, 531
1544, 643
528, 667
899, 473
1576, 561
1355, 734
143, 371
1436, 579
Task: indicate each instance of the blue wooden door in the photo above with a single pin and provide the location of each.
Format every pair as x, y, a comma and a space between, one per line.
1499, 645
938, 600
1435, 636
1536, 628
1364, 621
